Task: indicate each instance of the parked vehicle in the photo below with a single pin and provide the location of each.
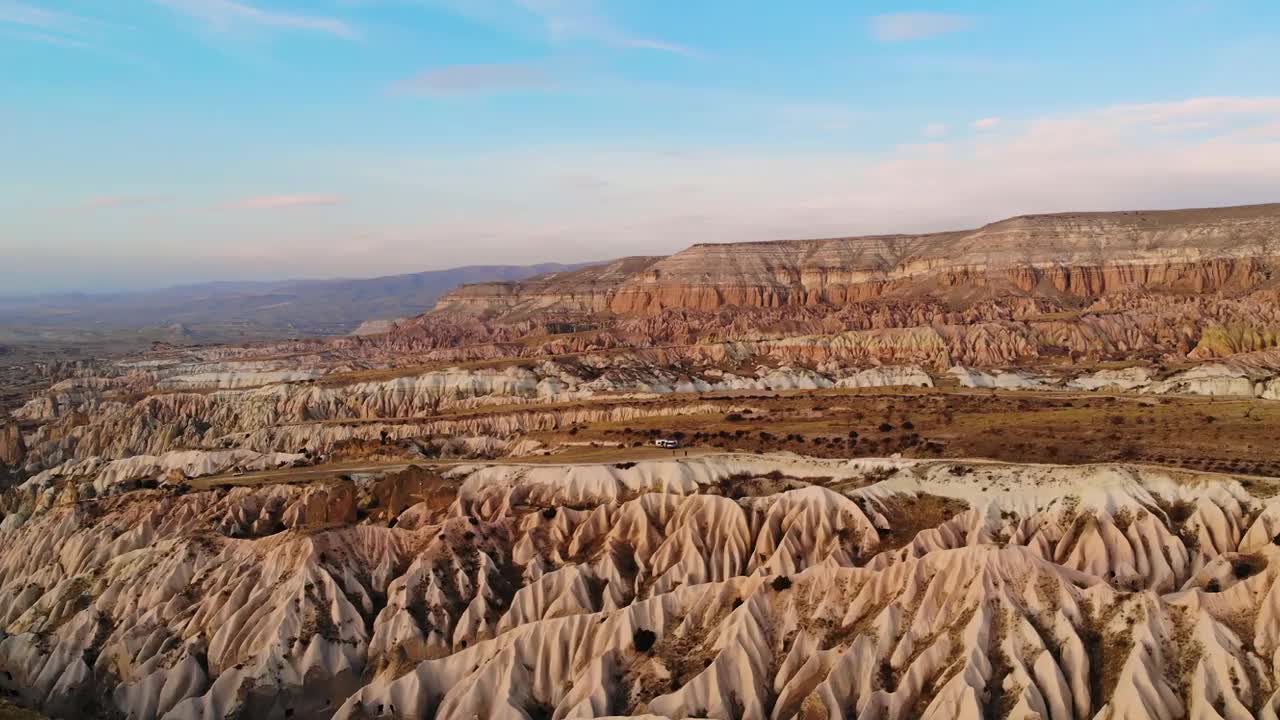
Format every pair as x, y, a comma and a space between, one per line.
668, 443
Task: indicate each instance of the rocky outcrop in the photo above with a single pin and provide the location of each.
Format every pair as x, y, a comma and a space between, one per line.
727, 586
12, 447
172, 467
486, 409
998, 379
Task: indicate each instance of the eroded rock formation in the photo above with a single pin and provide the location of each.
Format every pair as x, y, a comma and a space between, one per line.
227, 531
725, 587
13, 448
1072, 255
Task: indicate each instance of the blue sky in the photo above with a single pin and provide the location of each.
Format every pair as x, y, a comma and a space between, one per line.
153, 142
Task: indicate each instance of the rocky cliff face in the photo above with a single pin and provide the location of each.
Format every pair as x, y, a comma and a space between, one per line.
1163, 286
1072, 255
12, 447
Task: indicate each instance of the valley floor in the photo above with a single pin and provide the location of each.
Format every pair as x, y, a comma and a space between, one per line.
1229, 435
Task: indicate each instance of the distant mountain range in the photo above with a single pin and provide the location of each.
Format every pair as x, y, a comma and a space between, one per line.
229, 310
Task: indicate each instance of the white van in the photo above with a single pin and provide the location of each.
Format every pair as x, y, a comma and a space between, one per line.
667, 443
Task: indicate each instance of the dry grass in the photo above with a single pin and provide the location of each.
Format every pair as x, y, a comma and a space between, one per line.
1183, 651
1108, 648
908, 516
998, 701
13, 712
1045, 427
745, 485
1232, 437
1178, 513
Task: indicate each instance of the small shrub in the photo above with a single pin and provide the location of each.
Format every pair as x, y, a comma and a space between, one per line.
780, 583
644, 640
1247, 566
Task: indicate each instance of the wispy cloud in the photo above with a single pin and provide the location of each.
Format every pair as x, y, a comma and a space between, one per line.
986, 123
274, 202
1105, 158
1268, 131
642, 43
24, 23
45, 38
228, 15
562, 21
569, 19
935, 130
120, 201
1184, 122
484, 78
16, 13
515, 204
50, 27
894, 27
1197, 109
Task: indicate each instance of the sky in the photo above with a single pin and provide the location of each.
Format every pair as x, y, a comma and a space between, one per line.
147, 143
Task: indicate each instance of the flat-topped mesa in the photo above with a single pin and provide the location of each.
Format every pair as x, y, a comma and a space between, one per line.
1066, 256
1074, 254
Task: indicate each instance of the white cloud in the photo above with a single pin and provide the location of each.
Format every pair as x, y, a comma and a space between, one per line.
561, 21
25, 22
273, 202
228, 15
16, 13
462, 79
936, 130
986, 123
894, 27
1266, 131
1210, 110
569, 19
